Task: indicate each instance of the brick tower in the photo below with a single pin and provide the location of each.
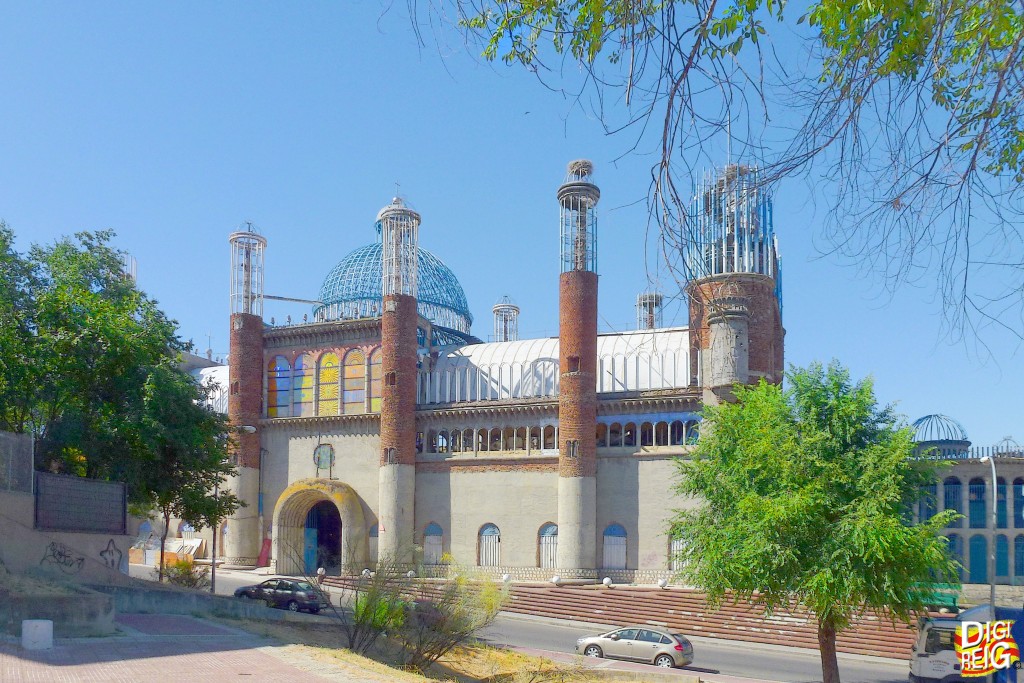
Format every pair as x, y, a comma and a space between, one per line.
245, 379
731, 255
397, 477
577, 397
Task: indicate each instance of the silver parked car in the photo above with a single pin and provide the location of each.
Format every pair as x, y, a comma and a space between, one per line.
650, 644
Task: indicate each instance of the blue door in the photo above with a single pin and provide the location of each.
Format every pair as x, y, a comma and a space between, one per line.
309, 546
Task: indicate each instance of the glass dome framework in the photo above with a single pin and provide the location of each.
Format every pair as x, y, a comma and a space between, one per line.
353, 289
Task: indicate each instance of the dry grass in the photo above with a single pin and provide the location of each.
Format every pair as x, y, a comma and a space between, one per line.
469, 664
23, 585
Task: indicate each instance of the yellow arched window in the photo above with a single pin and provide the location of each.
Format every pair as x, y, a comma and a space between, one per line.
302, 386
279, 383
355, 383
328, 386
376, 380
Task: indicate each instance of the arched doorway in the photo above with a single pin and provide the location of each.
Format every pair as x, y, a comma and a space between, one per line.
322, 539
315, 513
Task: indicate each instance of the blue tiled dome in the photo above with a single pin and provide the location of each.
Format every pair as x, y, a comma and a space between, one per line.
938, 428
353, 290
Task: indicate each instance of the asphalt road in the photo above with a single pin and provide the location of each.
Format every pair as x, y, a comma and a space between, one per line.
731, 658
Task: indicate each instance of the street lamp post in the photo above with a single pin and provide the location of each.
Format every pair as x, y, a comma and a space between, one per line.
992, 553
213, 552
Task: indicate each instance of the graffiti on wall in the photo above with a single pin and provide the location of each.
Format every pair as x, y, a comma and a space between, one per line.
112, 555
63, 557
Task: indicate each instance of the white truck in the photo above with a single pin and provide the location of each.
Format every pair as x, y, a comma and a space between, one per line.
934, 658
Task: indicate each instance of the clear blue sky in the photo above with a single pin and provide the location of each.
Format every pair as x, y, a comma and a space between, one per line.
174, 123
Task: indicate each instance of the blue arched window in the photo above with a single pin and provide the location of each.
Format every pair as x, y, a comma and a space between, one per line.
1000, 503
616, 530
1018, 555
433, 543
692, 432
374, 531
547, 546
489, 546
976, 504
956, 548
978, 568
926, 504
614, 547
1002, 555
1018, 503
953, 499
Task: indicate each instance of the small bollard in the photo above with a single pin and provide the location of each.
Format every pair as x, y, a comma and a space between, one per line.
37, 634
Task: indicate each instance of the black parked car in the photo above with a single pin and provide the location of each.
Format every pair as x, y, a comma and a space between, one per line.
292, 594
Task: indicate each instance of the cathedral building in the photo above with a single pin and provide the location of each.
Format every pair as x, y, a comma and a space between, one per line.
383, 427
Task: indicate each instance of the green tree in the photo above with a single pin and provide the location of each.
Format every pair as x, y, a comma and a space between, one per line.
908, 115
96, 341
187, 453
18, 370
89, 364
805, 495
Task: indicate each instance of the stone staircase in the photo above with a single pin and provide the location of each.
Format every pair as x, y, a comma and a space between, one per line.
686, 610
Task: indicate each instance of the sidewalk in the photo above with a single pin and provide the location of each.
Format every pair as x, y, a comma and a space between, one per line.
155, 648
648, 672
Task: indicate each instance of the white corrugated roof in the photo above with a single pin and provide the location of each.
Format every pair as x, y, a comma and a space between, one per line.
627, 361
217, 374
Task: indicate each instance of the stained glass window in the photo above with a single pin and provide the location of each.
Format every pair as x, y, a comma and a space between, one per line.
376, 373
279, 380
355, 383
302, 386
327, 383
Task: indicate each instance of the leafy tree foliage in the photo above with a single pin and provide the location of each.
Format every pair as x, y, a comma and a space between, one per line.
806, 493
906, 115
89, 364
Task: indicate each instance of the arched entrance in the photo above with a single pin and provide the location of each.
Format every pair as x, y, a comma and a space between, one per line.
316, 521
322, 539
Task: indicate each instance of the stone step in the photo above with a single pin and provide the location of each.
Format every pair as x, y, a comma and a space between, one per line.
686, 610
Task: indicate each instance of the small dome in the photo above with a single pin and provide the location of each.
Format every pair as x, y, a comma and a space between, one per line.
938, 428
353, 289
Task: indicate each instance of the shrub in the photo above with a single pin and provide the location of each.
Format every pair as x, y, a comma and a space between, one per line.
187, 574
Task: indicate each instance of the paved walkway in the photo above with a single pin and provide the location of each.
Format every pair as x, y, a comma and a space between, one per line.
158, 648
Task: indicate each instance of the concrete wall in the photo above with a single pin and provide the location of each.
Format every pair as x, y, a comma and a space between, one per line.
289, 458
86, 614
636, 492
461, 492
518, 502
72, 556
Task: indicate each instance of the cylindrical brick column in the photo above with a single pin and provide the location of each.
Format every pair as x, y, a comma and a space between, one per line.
745, 310
245, 406
397, 477
577, 424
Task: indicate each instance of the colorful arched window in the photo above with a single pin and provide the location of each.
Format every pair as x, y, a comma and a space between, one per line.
279, 384
327, 385
355, 383
376, 380
302, 386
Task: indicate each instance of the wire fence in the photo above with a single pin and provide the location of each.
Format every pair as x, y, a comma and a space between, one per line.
16, 462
